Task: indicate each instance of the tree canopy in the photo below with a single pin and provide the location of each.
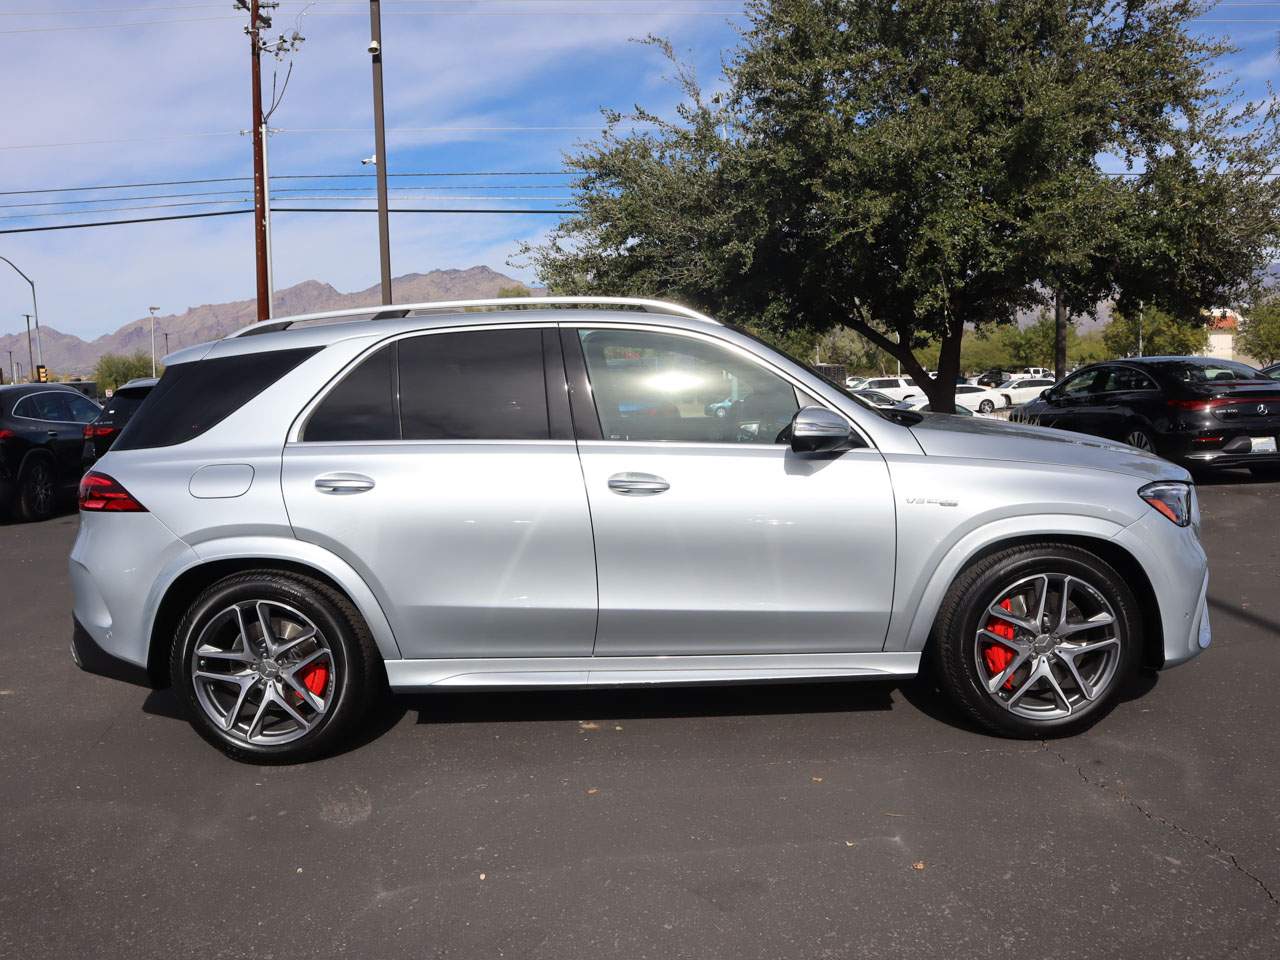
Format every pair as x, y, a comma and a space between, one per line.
920, 170
114, 369
1260, 332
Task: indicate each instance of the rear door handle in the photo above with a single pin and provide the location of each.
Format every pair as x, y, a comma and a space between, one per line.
344, 483
637, 484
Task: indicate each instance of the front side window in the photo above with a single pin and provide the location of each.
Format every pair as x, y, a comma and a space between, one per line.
1127, 379
664, 387
1084, 382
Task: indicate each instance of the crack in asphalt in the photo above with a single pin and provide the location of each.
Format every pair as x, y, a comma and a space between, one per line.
1138, 805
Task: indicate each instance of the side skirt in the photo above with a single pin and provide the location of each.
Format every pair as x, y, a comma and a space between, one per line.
641, 671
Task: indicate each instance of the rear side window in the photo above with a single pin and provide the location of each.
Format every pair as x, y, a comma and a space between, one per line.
361, 406
192, 397
476, 385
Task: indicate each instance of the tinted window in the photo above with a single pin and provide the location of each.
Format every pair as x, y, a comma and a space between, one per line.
1212, 371
361, 406
192, 397
477, 385
662, 387
25, 407
52, 406
123, 404
881, 384
83, 410
1086, 381
1126, 378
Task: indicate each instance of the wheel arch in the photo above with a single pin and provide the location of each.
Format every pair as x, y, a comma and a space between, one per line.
190, 582
1102, 546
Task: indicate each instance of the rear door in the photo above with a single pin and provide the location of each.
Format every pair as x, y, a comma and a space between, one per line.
63, 414
712, 536
441, 466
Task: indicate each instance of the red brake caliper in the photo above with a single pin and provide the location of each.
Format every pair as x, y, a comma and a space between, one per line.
315, 678
997, 655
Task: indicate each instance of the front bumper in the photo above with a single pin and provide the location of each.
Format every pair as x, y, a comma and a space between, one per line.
1178, 569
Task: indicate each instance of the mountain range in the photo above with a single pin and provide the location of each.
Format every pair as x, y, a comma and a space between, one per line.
65, 353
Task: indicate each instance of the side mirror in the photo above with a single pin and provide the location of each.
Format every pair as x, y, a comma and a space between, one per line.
819, 430
1047, 393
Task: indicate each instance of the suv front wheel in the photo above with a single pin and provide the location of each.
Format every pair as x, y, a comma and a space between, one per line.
1037, 640
274, 667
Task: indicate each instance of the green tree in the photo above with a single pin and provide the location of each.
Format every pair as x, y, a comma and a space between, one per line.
1260, 333
1161, 335
920, 170
113, 369
515, 290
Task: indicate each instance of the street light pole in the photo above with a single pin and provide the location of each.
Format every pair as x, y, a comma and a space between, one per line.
166, 343
12, 377
153, 339
29, 360
380, 148
35, 310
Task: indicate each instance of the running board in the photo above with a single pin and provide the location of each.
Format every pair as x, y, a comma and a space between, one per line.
642, 671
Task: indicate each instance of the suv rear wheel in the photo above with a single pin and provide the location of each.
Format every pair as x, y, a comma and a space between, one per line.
1037, 640
274, 667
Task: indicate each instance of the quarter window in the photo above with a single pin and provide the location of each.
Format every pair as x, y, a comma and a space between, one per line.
663, 387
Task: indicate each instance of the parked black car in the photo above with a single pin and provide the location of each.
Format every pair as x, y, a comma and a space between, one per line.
41, 435
1196, 411
992, 378
116, 412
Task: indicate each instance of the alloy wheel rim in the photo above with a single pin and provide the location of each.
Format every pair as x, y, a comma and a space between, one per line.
263, 673
42, 488
1047, 646
1139, 439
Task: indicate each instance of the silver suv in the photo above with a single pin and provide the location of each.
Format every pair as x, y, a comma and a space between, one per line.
587, 492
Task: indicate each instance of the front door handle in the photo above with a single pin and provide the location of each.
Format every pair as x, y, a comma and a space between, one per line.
637, 484
344, 483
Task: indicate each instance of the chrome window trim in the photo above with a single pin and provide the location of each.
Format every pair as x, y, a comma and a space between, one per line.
38, 393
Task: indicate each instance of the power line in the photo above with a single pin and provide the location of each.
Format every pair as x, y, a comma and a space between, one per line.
227, 213
293, 176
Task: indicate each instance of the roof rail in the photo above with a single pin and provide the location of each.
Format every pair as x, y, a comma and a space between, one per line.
396, 311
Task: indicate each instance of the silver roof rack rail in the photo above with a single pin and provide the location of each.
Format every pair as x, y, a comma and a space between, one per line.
396, 311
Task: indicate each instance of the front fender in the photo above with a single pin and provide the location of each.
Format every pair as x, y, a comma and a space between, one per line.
914, 613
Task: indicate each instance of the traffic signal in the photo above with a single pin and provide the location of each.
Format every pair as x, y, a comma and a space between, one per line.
42, 373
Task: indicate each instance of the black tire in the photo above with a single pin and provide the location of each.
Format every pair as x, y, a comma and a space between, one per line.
37, 494
986, 406
357, 680
1265, 471
952, 642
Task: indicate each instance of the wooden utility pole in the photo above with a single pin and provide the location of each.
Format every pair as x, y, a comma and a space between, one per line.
256, 23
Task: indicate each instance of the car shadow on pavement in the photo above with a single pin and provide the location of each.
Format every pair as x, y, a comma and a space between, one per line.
721, 700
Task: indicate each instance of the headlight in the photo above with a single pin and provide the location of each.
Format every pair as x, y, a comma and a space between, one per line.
1171, 498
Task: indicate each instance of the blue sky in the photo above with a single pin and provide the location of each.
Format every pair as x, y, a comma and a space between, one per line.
171, 91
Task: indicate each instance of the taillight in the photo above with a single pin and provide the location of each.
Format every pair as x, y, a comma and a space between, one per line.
92, 430
98, 492
1200, 406
7, 434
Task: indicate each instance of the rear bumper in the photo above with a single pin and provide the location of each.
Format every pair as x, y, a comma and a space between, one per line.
91, 658
1234, 449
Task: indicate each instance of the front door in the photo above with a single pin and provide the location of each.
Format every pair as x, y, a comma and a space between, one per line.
711, 535
443, 471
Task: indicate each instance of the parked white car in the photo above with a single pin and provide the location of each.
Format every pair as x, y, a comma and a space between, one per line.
899, 388
979, 399
921, 405
1023, 389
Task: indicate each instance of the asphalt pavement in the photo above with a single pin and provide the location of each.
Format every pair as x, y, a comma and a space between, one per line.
807, 821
